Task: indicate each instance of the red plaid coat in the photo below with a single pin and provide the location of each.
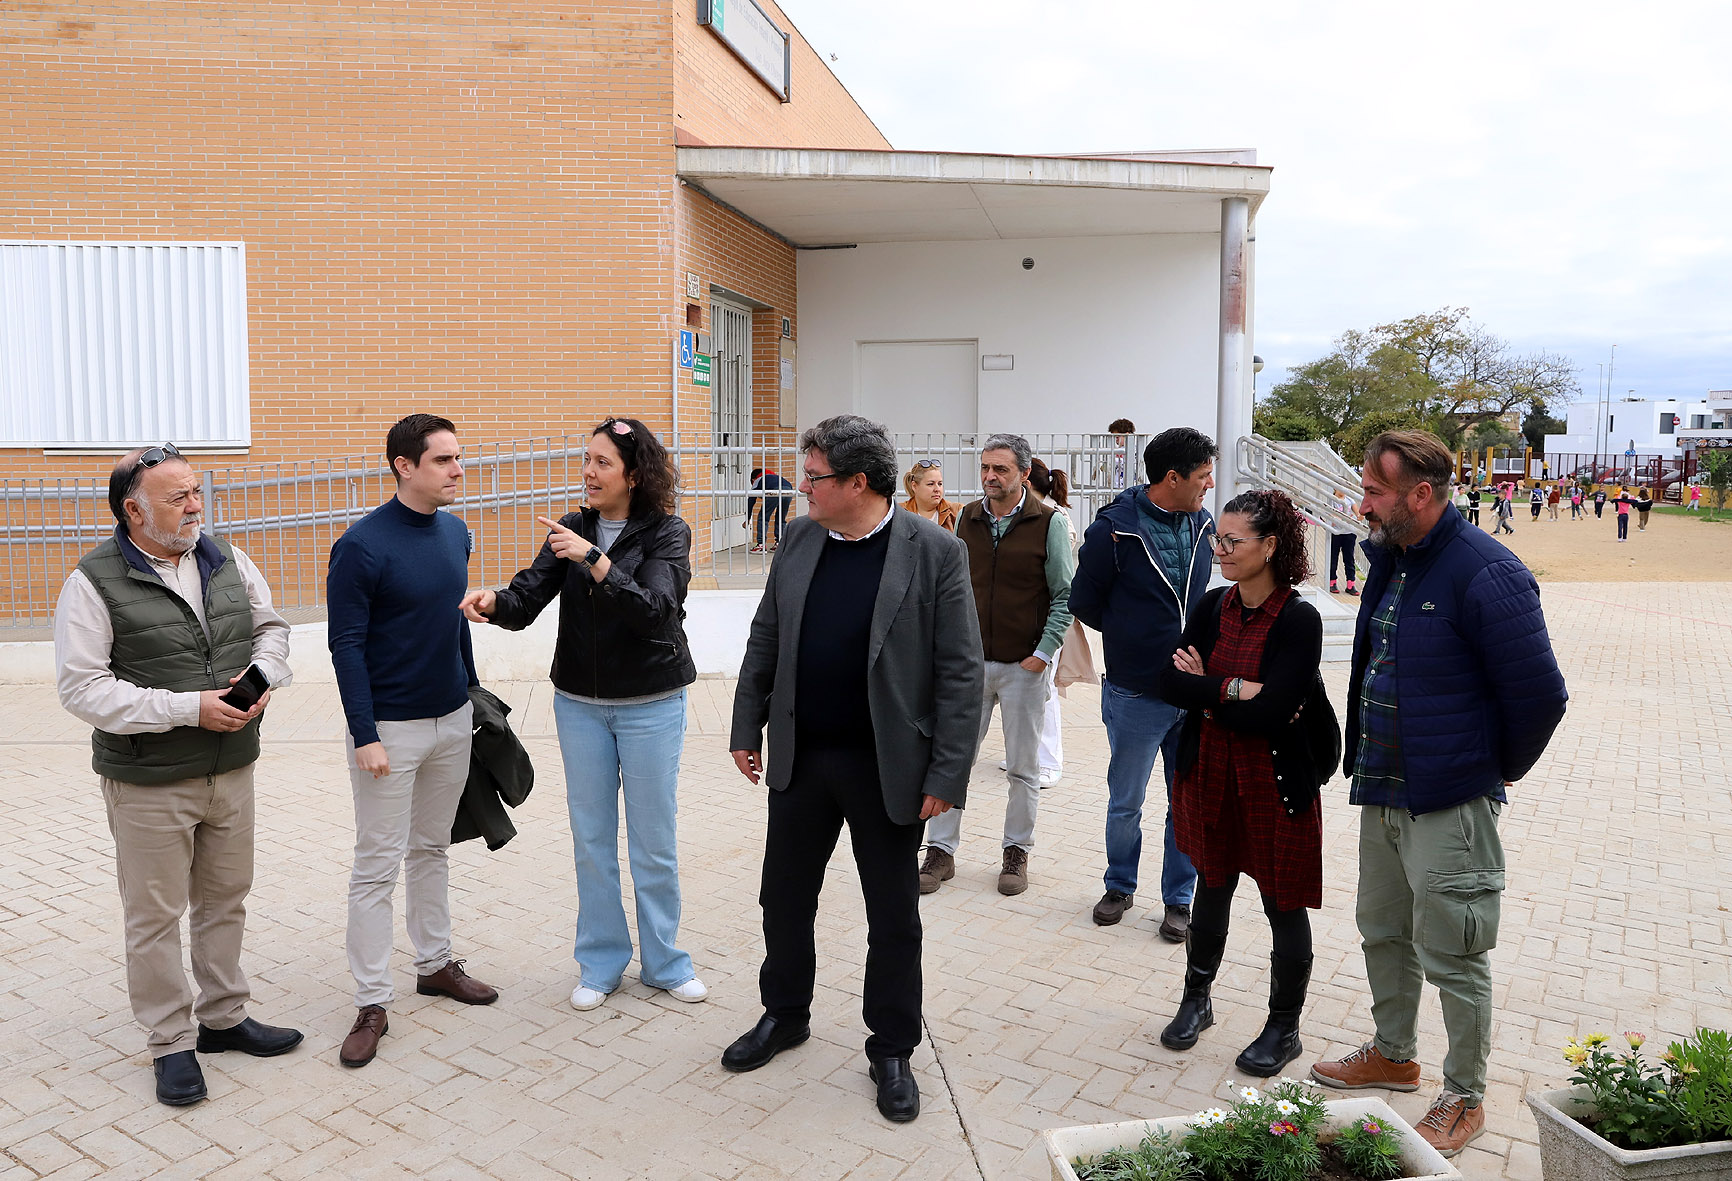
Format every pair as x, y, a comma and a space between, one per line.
1227, 814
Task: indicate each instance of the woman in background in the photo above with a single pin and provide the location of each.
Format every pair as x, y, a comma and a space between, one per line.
925, 486
620, 568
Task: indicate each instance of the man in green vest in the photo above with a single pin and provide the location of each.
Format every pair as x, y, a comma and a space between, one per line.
1020, 564
150, 632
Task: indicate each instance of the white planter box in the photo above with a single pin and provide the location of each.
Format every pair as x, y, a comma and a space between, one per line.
1570, 1151
1064, 1145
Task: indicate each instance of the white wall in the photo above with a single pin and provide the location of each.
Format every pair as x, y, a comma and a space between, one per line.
1101, 328
1629, 420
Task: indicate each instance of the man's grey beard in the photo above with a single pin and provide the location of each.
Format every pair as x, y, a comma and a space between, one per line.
1397, 529
169, 539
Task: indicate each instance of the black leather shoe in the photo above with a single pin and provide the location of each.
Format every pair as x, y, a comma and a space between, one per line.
768, 1038
179, 1081
898, 1093
249, 1037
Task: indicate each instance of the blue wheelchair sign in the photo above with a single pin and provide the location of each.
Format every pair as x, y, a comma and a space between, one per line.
688, 349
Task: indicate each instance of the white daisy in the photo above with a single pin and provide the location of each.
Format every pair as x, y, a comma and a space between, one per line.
1286, 1108
1249, 1094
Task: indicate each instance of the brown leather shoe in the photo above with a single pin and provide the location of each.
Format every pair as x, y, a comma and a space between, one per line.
1367, 1067
940, 867
1451, 1125
454, 982
1013, 878
362, 1043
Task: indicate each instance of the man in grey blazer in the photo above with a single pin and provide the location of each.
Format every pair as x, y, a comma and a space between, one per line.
865, 663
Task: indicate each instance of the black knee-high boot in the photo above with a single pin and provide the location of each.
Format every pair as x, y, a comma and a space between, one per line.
1279, 1043
1202, 959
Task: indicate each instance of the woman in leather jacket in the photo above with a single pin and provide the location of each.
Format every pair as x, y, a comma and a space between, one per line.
620, 567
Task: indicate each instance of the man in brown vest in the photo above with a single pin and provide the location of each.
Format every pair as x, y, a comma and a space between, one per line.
1020, 562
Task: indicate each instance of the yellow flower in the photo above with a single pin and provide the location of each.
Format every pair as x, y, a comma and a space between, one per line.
1635, 1039
1596, 1039
1575, 1055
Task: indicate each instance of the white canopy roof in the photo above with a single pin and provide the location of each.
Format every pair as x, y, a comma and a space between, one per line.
838, 198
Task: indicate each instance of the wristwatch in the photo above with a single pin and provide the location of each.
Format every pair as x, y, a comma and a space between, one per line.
592, 558
1233, 688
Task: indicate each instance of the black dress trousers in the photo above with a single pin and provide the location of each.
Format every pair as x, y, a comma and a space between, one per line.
829, 786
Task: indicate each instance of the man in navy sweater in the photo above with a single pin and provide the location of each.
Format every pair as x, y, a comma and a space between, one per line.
400, 648
1455, 693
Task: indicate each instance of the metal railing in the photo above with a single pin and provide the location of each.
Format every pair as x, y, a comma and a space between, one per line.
287, 515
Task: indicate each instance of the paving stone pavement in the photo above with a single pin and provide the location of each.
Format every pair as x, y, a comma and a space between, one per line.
1620, 880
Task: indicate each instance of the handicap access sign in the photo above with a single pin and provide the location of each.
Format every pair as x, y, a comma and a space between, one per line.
688, 348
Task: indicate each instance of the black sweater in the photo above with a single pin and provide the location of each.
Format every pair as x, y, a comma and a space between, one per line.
835, 633
1292, 655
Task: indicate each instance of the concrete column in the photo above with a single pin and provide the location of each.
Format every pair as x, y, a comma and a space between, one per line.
1232, 395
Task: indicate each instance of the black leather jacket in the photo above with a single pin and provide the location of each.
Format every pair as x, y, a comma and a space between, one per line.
621, 637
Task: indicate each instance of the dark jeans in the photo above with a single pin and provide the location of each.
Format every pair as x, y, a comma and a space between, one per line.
827, 788
1342, 545
1623, 526
776, 507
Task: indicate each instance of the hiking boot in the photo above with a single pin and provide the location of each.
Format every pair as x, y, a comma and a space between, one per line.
1175, 922
1451, 1125
1111, 908
940, 867
1367, 1067
1013, 878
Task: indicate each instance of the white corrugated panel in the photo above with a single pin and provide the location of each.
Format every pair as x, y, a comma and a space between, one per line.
119, 344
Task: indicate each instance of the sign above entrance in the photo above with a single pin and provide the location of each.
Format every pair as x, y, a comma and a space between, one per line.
754, 38
701, 370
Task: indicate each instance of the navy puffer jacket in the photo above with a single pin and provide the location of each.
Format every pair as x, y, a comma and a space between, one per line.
1122, 591
1477, 688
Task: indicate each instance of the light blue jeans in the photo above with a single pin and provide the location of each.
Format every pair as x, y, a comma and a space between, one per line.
1140, 726
634, 750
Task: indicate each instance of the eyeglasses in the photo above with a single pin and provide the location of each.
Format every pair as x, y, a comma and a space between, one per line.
923, 464
1226, 544
811, 479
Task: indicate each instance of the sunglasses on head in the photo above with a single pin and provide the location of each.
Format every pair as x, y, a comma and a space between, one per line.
155, 455
922, 464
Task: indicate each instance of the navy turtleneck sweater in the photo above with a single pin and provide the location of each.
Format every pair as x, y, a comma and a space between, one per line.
399, 644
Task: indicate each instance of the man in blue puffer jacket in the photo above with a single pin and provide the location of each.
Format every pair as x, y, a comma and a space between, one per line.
1455, 695
1144, 565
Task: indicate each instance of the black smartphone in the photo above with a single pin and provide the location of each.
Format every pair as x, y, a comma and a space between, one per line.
247, 690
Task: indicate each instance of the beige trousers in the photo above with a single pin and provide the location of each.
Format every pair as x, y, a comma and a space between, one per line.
188, 843
403, 821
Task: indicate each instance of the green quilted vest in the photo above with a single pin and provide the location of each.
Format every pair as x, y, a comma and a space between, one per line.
159, 644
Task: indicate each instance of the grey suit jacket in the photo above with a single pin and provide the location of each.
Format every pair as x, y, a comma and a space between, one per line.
924, 668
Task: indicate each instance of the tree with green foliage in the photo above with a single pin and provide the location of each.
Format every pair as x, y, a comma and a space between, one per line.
1539, 423
1439, 370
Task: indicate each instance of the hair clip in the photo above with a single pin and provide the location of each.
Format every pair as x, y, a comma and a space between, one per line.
621, 427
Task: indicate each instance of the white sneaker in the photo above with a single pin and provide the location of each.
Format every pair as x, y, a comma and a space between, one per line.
1050, 776
584, 999
1004, 764
692, 991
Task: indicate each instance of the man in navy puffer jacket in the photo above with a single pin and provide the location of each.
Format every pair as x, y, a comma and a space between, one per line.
1455, 694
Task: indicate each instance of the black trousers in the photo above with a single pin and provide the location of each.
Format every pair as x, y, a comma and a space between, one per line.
1341, 545
827, 788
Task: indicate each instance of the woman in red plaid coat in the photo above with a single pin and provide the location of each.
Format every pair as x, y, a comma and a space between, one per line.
1253, 752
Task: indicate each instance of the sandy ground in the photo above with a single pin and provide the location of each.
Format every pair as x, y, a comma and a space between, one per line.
1672, 549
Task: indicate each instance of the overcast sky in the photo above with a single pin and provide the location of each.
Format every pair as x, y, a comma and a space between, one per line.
1562, 170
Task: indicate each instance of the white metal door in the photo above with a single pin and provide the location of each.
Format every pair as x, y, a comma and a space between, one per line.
730, 420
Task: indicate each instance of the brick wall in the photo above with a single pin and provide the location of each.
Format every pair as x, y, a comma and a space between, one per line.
717, 100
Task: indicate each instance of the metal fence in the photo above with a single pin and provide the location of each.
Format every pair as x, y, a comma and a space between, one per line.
286, 515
